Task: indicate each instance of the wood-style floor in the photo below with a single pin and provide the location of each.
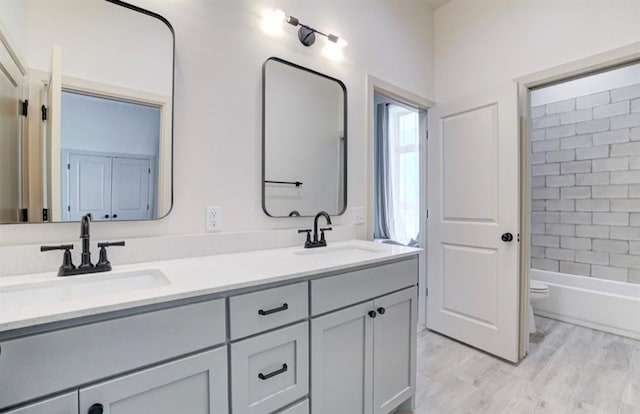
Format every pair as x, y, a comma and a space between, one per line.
570, 369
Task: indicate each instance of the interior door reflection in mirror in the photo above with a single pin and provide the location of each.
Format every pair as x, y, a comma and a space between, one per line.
97, 138
304, 141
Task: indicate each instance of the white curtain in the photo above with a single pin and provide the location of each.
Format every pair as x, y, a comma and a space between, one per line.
397, 174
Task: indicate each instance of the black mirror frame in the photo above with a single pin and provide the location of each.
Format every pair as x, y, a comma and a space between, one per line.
345, 120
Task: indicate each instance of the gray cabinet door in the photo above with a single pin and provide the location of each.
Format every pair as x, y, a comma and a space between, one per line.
62, 404
342, 361
395, 350
194, 385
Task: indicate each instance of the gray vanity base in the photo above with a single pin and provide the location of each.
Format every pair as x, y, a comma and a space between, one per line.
326, 344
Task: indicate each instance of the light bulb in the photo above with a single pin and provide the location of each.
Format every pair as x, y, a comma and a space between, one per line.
332, 50
272, 21
340, 42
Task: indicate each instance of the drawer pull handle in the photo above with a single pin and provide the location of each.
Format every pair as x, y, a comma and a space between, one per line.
274, 373
262, 312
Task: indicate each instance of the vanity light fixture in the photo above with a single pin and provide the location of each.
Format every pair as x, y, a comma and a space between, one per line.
306, 34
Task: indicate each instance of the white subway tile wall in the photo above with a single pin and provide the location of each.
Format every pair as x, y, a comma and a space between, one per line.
585, 155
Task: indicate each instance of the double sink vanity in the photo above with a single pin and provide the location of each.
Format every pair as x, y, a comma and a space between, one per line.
328, 330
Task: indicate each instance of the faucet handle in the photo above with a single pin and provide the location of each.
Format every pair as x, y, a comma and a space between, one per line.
307, 243
107, 244
60, 247
103, 261
322, 233
67, 262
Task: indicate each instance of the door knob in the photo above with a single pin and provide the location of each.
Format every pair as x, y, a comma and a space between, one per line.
96, 409
507, 237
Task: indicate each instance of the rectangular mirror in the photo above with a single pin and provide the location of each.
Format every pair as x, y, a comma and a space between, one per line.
304, 165
86, 111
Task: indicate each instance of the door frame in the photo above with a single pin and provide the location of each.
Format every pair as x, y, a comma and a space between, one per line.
378, 86
578, 68
38, 80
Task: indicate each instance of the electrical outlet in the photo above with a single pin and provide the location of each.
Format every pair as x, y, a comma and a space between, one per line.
358, 215
214, 218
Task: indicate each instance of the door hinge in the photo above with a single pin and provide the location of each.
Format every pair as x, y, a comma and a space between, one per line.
427, 213
149, 170
44, 112
68, 166
68, 208
45, 214
426, 135
24, 215
25, 107
147, 206
426, 292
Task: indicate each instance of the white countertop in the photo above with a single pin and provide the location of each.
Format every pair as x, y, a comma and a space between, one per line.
197, 276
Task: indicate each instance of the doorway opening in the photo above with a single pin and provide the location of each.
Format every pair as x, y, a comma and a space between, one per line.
584, 207
396, 172
398, 168
110, 151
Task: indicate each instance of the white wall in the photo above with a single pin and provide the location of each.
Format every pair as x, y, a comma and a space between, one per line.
611, 79
484, 44
95, 124
101, 42
217, 142
13, 20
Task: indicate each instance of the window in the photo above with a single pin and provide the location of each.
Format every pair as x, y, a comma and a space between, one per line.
397, 174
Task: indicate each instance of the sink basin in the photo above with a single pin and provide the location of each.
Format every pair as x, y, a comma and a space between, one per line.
77, 287
339, 250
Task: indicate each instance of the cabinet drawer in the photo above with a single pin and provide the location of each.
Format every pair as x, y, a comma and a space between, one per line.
270, 371
346, 289
43, 364
300, 408
260, 311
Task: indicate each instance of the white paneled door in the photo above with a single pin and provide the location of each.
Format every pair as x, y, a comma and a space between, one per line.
473, 273
130, 189
89, 187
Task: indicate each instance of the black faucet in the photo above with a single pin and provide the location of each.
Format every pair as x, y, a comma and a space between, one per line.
68, 268
85, 236
317, 243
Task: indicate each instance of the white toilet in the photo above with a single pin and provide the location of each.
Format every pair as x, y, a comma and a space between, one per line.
537, 291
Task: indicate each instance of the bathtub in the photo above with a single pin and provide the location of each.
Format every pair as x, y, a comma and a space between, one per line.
595, 303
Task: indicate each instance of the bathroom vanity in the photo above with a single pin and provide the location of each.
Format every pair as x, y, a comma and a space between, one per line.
329, 330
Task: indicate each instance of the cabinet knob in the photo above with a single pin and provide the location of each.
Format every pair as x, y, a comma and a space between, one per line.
96, 409
106, 216
381, 311
115, 216
372, 314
